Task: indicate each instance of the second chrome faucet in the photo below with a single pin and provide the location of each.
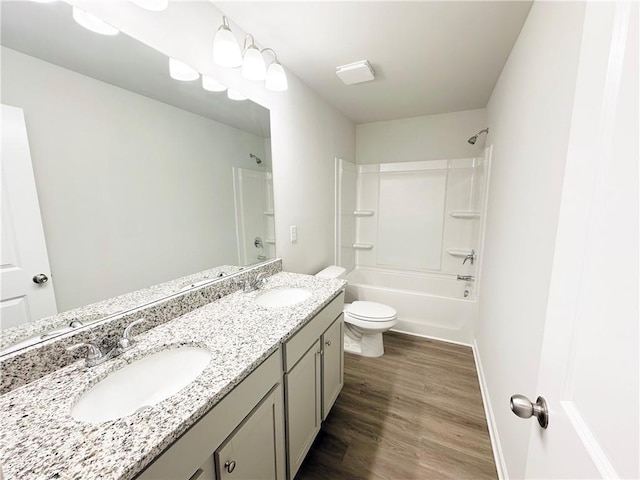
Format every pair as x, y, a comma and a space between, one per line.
94, 354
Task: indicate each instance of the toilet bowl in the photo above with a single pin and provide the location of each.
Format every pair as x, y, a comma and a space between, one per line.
364, 321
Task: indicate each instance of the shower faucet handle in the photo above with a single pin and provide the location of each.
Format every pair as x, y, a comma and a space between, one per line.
471, 256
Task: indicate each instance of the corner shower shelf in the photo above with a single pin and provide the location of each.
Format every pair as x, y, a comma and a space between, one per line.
458, 252
363, 246
364, 213
464, 214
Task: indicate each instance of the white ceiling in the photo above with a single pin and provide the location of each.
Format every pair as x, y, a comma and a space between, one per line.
429, 57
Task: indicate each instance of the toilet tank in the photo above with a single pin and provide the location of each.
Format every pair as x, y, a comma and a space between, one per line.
333, 271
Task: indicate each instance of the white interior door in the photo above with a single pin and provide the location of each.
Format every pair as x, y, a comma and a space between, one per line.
589, 370
24, 252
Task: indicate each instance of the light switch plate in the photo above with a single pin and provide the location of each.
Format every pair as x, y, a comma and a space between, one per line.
293, 233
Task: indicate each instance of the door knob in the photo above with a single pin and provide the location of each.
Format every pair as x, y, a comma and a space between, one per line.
40, 279
524, 408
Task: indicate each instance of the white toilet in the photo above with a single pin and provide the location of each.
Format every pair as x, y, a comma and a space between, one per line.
364, 321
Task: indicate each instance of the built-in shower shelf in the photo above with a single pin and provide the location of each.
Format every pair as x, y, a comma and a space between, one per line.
364, 213
465, 214
269, 212
270, 241
458, 252
363, 246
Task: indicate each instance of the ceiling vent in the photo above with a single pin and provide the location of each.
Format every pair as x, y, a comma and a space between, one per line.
356, 72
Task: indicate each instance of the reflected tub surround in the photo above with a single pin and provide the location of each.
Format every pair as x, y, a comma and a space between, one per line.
26, 365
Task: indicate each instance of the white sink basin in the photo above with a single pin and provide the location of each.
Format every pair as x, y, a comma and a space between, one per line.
282, 297
141, 384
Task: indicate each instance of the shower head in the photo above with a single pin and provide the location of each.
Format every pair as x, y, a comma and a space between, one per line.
258, 160
473, 139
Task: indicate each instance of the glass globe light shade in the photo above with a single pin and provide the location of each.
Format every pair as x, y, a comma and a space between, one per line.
253, 67
276, 78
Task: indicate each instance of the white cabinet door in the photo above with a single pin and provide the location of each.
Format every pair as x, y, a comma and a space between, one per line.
24, 253
589, 364
332, 365
255, 450
303, 400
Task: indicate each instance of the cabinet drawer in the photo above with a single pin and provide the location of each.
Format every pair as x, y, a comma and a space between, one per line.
297, 345
182, 458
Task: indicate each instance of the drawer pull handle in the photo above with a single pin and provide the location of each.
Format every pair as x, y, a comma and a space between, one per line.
230, 466
328, 343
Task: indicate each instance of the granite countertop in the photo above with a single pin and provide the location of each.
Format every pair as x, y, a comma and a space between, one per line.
22, 334
40, 440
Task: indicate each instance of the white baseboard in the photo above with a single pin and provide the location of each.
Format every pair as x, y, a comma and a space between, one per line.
461, 336
430, 337
488, 412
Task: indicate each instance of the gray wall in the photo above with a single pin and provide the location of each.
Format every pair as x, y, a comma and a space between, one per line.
529, 114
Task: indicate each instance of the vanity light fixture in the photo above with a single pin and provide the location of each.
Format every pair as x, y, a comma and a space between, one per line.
235, 95
253, 67
152, 5
276, 80
212, 85
226, 51
182, 71
93, 23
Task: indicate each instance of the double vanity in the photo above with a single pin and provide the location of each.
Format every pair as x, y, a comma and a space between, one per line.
237, 388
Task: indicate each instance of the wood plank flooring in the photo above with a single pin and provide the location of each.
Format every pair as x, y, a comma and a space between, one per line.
414, 413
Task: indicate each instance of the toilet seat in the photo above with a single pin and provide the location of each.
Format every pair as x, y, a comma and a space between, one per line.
370, 311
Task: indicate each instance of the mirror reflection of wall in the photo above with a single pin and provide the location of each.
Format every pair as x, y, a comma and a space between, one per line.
133, 191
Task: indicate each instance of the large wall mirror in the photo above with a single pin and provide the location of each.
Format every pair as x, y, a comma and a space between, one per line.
141, 179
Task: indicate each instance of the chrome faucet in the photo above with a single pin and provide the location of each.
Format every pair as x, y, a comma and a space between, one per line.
94, 354
127, 342
256, 284
471, 256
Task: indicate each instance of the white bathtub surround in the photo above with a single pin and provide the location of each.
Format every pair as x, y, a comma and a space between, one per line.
426, 305
411, 227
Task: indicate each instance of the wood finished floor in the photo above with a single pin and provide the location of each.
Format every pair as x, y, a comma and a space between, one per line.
414, 413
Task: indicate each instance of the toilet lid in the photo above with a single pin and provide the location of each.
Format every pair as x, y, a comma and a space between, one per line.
372, 311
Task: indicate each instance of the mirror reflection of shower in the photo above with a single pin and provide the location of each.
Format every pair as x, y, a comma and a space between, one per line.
255, 228
474, 138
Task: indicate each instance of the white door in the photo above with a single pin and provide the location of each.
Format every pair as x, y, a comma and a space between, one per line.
589, 370
24, 253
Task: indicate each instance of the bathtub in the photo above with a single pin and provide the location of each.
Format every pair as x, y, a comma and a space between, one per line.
429, 305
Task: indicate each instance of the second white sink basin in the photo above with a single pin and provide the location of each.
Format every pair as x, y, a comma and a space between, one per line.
141, 384
282, 297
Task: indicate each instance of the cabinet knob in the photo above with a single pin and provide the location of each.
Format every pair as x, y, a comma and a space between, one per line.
328, 343
230, 465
